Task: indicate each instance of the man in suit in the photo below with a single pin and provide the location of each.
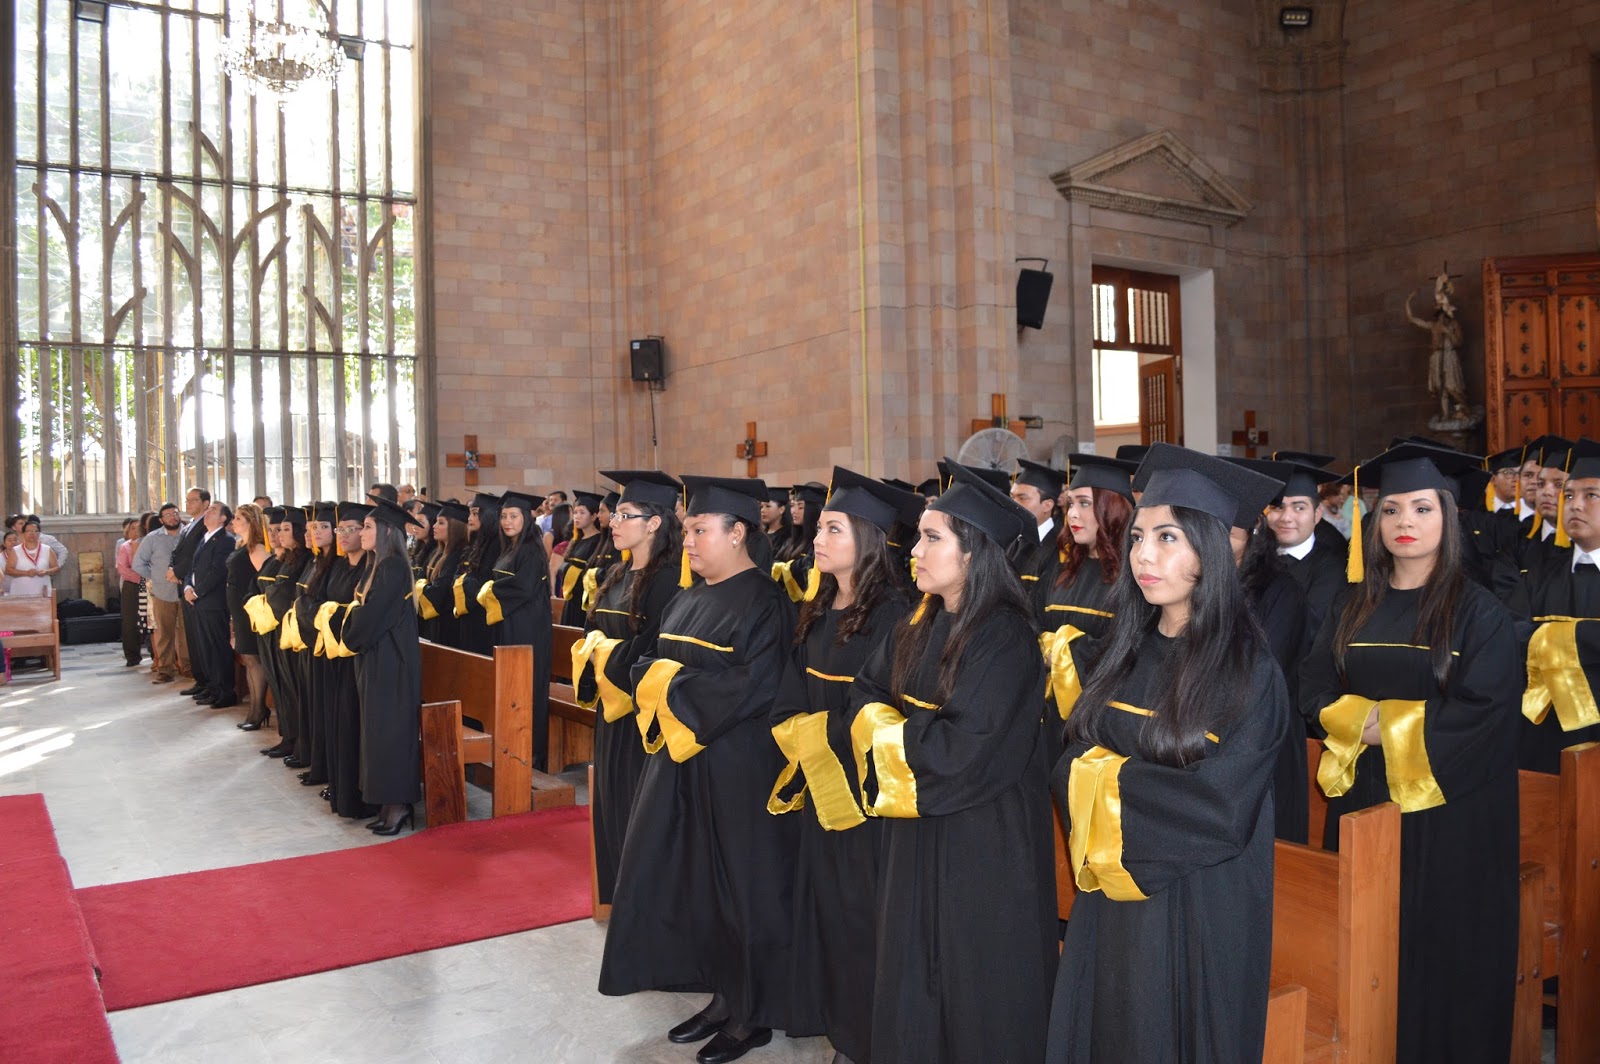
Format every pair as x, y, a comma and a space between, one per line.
206, 592
194, 504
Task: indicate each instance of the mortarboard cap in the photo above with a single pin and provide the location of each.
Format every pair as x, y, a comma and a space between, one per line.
451, 510
1305, 458
1411, 467
1300, 480
521, 500
295, 516
273, 514
871, 500
739, 497
1280, 471
1510, 458
1178, 476
1553, 451
325, 511
929, 487
485, 501
430, 511
896, 482
810, 492
973, 497
357, 512
997, 479
1132, 452
1048, 482
388, 513
1102, 473
611, 500
1585, 463
589, 500
384, 491
646, 487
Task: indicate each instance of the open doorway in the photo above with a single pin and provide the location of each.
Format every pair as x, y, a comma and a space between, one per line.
1138, 358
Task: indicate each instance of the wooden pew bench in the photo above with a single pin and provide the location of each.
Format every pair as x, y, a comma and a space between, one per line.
571, 726
35, 632
497, 693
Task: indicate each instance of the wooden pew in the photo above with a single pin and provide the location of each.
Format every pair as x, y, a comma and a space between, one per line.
496, 692
571, 726
1560, 821
35, 632
1335, 943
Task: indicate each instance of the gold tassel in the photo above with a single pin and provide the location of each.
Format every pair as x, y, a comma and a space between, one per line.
627, 557
1488, 497
1563, 541
922, 608
1355, 566
685, 574
813, 583
1538, 522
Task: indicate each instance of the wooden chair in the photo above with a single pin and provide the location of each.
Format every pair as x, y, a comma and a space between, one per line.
35, 631
497, 692
1560, 821
571, 726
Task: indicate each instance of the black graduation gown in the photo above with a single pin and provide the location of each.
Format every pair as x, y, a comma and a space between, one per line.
334, 701
521, 586
619, 755
1458, 859
381, 629
1183, 973
472, 626
443, 627
1320, 574
575, 613
569, 575
1040, 563
1557, 590
966, 929
241, 586
295, 664
704, 891
267, 645
320, 694
836, 870
1280, 608
1083, 604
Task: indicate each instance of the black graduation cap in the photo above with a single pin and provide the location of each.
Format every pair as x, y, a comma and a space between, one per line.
1418, 467
295, 516
810, 492
1132, 452
357, 512
1178, 476
645, 486
779, 495
388, 513
430, 511
896, 482
1102, 473
998, 479
1554, 451
1585, 460
929, 487
521, 500
325, 511
1047, 481
485, 502
974, 498
1279, 471
589, 500
1305, 458
871, 500
451, 510
1510, 458
274, 515
739, 497
384, 491
611, 500
1302, 481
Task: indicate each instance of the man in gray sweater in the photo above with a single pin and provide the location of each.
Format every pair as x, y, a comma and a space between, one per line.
151, 562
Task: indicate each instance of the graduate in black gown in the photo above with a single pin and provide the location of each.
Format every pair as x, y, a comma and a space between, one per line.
259, 614
516, 605
1314, 552
1564, 652
581, 551
477, 568
861, 598
435, 587
621, 628
1166, 791
952, 754
1036, 489
606, 555
704, 892
1416, 682
1073, 608
776, 521
294, 652
380, 629
318, 694
791, 565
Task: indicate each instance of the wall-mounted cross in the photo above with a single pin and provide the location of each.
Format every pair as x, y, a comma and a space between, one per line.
750, 448
1248, 438
997, 418
472, 460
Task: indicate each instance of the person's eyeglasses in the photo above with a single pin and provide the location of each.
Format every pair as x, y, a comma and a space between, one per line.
630, 517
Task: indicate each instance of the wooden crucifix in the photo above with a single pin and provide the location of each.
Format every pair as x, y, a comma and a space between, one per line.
1246, 440
997, 418
750, 449
471, 460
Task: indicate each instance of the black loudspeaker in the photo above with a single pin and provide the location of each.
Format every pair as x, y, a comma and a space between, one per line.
647, 358
1033, 293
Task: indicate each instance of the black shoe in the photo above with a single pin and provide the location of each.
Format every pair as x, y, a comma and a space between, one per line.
326, 794
696, 1028
196, 689
281, 750
293, 761
404, 822
374, 825
130, 664
225, 703
205, 700
308, 780
248, 725
723, 1048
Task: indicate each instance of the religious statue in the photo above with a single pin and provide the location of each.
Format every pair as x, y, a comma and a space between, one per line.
1445, 378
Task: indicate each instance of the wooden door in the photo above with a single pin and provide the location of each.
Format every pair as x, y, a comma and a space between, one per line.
1160, 410
1541, 314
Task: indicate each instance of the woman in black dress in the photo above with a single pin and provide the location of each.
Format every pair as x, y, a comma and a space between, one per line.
951, 752
380, 629
861, 598
244, 569
477, 568
516, 605
1166, 791
703, 897
1416, 681
303, 539
582, 549
621, 628
435, 587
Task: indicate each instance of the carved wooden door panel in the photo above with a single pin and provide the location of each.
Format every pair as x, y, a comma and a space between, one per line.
1541, 315
1160, 412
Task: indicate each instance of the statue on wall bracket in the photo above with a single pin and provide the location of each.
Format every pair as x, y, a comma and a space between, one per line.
1446, 382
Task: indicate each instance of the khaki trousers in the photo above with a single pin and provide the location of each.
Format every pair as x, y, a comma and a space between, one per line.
167, 641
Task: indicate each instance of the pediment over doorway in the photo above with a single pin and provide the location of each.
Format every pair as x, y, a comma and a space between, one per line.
1158, 176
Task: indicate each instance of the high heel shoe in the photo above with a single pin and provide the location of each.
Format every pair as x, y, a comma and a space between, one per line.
248, 725
396, 828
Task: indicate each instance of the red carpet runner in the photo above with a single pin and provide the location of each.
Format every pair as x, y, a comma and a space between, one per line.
179, 936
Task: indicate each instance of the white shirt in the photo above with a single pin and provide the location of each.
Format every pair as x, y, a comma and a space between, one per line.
1547, 530
1299, 553
1044, 529
1579, 556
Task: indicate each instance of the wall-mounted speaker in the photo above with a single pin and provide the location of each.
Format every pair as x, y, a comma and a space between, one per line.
1033, 293
647, 360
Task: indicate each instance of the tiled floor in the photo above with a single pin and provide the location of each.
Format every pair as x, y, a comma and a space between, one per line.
143, 783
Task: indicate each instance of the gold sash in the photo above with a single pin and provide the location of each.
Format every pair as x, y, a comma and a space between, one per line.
1409, 773
596, 649
425, 608
490, 604
803, 739
1555, 676
783, 573
591, 584
459, 588
652, 701
880, 728
1094, 804
262, 619
1065, 687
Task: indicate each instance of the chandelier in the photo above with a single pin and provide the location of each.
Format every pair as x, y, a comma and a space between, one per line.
278, 53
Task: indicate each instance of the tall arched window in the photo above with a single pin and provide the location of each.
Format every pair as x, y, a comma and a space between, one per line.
208, 288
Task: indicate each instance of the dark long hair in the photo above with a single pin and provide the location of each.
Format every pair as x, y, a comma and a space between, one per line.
875, 577
800, 536
1113, 514
1215, 654
1440, 595
665, 548
455, 542
560, 524
484, 540
391, 543
1261, 563
517, 546
992, 586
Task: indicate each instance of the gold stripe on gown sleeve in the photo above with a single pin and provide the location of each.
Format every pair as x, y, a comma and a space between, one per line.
582, 651
570, 578
1065, 687
803, 739
1095, 844
1405, 756
880, 729
1344, 721
459, 590
651, 697
595, 650
783, 573
289, 637
591, 584
425, 608
490, 604
325, 613
1555, 677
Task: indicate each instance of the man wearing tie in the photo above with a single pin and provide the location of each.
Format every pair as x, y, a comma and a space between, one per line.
194, 504
205, 590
